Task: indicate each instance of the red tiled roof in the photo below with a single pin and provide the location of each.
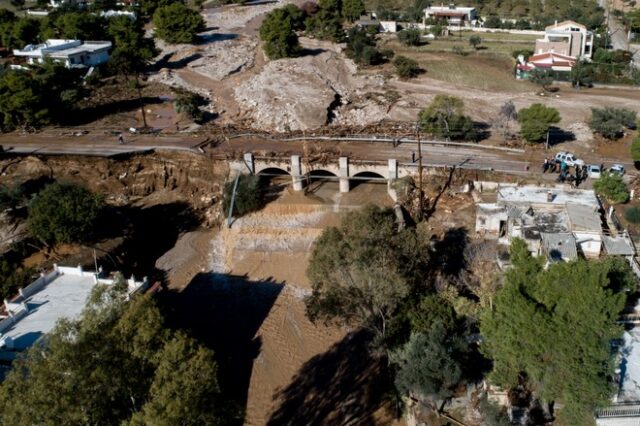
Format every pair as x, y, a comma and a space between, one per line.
552, 55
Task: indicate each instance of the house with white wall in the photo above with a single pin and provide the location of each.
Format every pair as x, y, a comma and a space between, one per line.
566, 38
452, 15
555, 222
70, 53
34, 312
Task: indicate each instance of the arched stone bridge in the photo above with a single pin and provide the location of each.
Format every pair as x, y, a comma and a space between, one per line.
343, 170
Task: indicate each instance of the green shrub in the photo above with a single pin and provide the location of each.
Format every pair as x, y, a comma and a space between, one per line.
536, 121
635, 149
406, 67
410, 37
63, 213
176, 23
277, 33
611, 122
189, 104
612, 187
632, 215
248, 195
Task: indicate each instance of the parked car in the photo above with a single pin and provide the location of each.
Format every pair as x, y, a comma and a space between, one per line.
617, 169
594, 171
570, 159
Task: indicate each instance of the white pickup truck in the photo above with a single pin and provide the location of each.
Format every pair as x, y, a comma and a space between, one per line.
569, 159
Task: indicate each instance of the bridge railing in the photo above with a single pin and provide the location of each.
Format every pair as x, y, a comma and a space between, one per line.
379, 139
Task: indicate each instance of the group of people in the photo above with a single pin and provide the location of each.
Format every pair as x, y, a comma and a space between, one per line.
578, 176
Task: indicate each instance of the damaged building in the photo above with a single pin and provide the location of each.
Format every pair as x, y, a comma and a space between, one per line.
558, 223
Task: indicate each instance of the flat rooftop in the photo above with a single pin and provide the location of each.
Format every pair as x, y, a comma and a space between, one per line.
538, 195
64, 297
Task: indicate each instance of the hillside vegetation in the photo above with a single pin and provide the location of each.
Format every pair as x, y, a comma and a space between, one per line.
546, 12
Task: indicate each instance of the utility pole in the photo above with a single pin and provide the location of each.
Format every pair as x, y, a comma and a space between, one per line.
420, 191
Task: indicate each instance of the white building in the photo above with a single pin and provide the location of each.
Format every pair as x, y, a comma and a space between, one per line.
567, 38
625, 408
62, 293
555, 222
452, 14
71, 53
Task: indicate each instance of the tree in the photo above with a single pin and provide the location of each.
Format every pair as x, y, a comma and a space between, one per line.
63, 213
352, 9
20, 33
361, 47
536, 121
276, 31
537, 330
406, 67
132, 52
327, 23
249, 195
18, 4
635, 149
81, 25
541, 77
118, 364
410, 37
189, 104
431, 364
176, 23
493, 22
611, 122
612, 187
581, 74
444, 118
362, 271
507, 114
184, 387
475, 41
149, 7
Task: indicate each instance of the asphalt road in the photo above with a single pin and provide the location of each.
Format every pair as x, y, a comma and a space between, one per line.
479, 158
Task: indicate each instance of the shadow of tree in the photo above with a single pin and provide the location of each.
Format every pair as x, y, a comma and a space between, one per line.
557, 135
345, 385
148, 233
225, 312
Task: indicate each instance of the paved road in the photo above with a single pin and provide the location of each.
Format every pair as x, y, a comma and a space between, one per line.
433, 155
619, 39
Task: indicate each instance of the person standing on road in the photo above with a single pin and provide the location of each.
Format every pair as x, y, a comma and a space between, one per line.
545, 165
120, 140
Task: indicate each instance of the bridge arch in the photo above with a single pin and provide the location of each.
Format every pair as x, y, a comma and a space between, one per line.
322, 174
273, 172
366, 177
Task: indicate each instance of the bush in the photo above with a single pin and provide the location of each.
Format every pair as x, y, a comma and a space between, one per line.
277, 33
611, 122
248, 195
612, 187
475, 41
632, 215
458, 50
63, 213
635, 149
536, 121
176, 23
410, 37
189, 104
406, 67
444, 118
361, 47
526, 53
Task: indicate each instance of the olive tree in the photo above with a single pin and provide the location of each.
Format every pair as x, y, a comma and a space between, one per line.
63, 213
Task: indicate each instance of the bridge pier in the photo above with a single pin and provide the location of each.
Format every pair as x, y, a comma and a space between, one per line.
343, 174
248, 161
296, 173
